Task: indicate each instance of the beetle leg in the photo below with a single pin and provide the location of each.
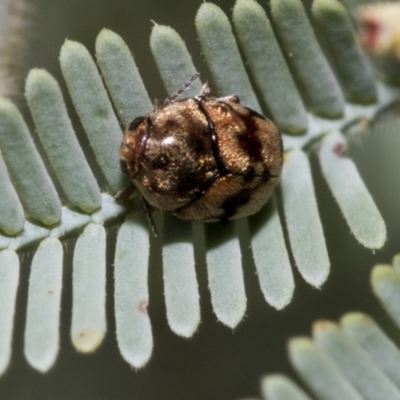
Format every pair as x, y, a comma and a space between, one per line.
233, 98
149, 214
125, 193
205, 90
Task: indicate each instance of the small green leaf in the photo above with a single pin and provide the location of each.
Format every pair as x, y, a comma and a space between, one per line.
350, 192
43, 314
369, 380
94, 109
88, 325
278, 387
9, 278
319, 372
385, 282
373, 340
171, 55
131, 296
268, 66
355, 72
225, 274
306, 235
31, 180
58, 138
180, 282
12, 216
309, 64
271, 257
121, 77
222, 55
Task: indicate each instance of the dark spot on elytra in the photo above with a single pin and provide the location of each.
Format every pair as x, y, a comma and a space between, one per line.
232, 204
197, 144
266, 175
189, 182
249, 141
201, 190
249, 174
135, 123
159, 162
184, 185
170, 124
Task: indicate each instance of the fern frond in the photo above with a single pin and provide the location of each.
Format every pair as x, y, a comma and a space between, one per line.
354, 359
306, 74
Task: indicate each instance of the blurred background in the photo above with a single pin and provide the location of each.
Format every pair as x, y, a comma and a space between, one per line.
216, 363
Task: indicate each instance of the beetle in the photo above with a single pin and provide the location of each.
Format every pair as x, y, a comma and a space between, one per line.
202, 158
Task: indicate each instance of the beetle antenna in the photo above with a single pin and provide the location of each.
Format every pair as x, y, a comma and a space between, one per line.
149, 214
181, 89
